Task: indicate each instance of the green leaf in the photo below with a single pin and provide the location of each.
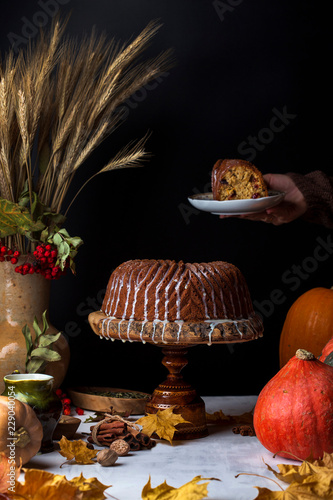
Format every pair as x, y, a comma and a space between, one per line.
57, 239
15, 219
28, 339
75, 241
64, 233
46, 340
35, 325
45, 323
35, 365
46, 354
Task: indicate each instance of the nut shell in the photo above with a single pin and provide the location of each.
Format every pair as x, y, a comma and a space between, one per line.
120, 446
107, 457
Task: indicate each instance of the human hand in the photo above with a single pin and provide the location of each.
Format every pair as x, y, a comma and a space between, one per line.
290, 208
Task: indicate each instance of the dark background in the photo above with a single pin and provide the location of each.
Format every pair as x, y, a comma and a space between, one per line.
237, 66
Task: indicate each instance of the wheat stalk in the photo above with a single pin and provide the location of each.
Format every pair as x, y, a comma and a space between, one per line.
59, 99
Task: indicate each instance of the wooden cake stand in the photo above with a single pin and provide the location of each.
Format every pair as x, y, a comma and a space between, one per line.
175, 338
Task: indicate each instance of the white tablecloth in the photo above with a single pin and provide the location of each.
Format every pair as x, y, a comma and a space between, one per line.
222, 455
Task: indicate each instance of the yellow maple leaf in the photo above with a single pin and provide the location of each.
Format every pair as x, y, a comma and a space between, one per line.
313, 479
163, 423
9, 472
310, 489
42, 485
39, 485
91, 489
188, 491
298, 473
76, 450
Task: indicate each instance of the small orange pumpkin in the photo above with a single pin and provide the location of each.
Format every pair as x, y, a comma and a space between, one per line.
308, 325
21, 432
293, 416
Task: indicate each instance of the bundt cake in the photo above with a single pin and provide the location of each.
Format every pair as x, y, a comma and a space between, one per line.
237, 180
165, 301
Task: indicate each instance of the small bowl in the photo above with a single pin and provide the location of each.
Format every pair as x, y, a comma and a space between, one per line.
67, 426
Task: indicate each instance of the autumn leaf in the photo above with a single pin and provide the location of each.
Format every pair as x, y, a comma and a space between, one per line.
6, 472
219, 418
42, 485
39, 485
163, 423
91, 489
76, 450
312, 479
308, 490
189, 491
291, 473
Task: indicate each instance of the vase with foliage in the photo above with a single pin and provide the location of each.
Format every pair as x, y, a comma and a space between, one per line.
59, 99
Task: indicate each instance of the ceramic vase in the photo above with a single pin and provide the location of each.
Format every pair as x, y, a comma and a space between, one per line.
36, 390
21, 299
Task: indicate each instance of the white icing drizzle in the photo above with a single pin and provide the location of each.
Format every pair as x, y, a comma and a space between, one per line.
137, 286
166, 291
204, 294
178, 301
180, 323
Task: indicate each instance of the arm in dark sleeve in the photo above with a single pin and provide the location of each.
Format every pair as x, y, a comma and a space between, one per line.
317, 189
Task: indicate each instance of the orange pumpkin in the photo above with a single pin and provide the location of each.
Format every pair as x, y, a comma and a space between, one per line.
21, 432
308, 325
293, 416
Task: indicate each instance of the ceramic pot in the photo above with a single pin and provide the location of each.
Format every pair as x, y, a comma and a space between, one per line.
36, 390
22, 298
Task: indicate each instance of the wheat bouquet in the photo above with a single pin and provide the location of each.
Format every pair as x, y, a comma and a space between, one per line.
59, 99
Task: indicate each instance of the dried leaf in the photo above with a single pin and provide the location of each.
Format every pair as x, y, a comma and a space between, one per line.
219, 418
8, 472
41, 485
189, 491
309, 490
15, 219
91, 489
76, 450
313, 479
163, 423
297, 473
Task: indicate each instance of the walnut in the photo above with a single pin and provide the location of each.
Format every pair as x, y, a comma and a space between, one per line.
120, 446
107, 457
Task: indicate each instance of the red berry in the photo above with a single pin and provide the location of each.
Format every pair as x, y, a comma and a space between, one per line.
66, 401
3, 249
2, 258
58, 392
79, 411
13, 260
66, 411
16, 253
10, 252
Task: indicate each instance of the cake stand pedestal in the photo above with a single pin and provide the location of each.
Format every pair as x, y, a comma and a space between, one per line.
175, 338
175, 392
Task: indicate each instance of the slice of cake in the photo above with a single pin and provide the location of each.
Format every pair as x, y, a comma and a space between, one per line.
237, 180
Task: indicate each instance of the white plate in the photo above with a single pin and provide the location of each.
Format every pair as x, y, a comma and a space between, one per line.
205, 202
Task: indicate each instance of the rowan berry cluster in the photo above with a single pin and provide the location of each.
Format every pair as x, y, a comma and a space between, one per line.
66, 403
43, 261
8, 254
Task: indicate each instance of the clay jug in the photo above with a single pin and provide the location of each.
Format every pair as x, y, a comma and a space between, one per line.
21, 299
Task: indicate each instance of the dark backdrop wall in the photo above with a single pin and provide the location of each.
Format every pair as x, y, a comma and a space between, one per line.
249, 82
